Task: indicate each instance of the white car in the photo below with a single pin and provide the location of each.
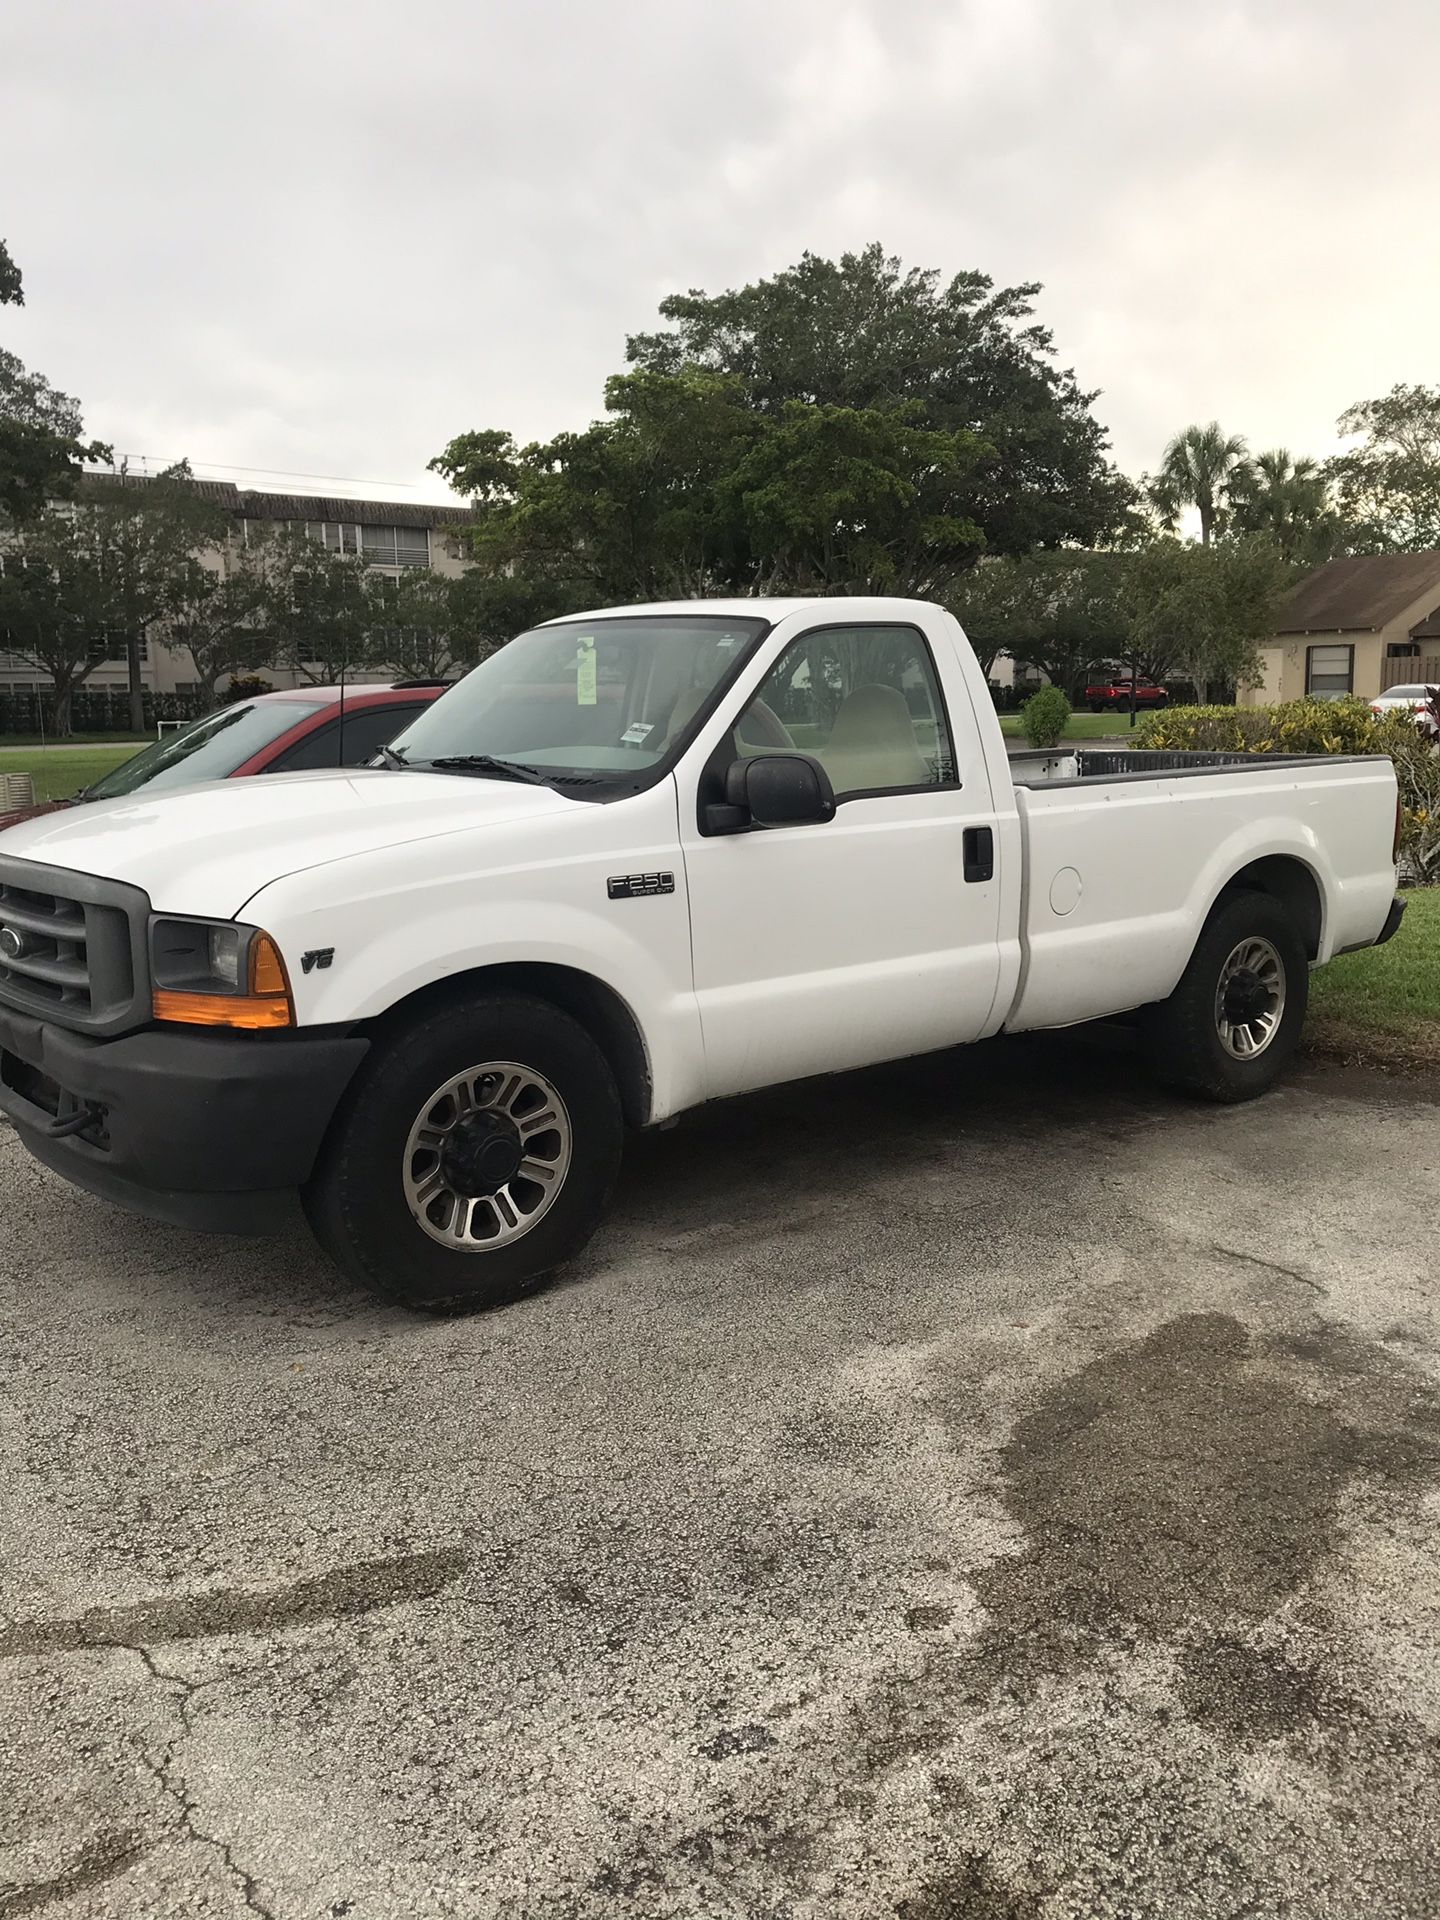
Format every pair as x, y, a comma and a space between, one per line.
1412, 699
637, 860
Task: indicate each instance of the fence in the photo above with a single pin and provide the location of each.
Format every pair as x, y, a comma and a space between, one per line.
1412, 669
93, 710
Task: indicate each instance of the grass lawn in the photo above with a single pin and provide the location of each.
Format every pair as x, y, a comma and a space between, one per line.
57, 775
1082, 726
1382, 1007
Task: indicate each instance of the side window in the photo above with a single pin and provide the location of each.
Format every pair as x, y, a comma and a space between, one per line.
365, 733
317, 749
375, 727
864, 702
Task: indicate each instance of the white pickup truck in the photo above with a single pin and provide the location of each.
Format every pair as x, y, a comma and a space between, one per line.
636, 860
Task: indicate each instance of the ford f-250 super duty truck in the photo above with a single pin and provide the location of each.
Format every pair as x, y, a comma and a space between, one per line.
637, 860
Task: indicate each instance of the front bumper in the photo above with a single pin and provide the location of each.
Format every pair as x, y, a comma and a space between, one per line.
200, 1130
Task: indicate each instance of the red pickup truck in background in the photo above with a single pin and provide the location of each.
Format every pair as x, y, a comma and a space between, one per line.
1116, 693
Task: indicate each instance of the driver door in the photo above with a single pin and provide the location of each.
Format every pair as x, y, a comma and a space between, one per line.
839, 943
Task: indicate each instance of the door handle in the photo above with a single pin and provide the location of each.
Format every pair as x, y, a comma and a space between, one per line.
979, 844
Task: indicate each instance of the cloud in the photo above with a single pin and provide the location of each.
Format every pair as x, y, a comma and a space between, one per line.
326, 238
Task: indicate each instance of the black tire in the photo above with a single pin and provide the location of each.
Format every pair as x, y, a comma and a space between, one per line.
1097, 706
1183, 1034
356, 1199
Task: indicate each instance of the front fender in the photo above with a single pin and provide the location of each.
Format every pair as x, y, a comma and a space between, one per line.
403, 919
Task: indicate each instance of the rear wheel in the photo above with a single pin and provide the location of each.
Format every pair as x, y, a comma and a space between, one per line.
475, 1154
1233, 1023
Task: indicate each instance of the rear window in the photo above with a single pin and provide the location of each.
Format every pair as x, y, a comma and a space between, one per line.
209, 749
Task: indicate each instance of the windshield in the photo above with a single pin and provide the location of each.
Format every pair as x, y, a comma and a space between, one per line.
1404, 693
598, 697
210, 749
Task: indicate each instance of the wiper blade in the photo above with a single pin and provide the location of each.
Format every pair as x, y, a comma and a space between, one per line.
487, 763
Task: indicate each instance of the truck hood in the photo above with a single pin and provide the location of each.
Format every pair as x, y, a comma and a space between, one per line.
206, 850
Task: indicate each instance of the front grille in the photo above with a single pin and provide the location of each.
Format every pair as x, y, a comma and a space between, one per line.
71, 946
43, 940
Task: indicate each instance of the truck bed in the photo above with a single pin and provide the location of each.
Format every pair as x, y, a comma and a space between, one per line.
1124, 854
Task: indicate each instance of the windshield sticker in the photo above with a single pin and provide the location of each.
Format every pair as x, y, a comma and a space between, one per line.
637, 735
585, 689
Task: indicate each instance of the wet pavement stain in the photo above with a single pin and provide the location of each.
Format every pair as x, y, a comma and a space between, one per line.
970, 1892
1185, 1486
344, 1591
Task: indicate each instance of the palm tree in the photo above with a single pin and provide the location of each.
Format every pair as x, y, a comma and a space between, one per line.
1285, 498
1195, 472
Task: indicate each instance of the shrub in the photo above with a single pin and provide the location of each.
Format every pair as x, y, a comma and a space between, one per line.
245, 686
1045, 716
1322, 726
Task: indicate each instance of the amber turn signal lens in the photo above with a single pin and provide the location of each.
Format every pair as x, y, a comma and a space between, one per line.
267, 969
222, 1009
267, 1004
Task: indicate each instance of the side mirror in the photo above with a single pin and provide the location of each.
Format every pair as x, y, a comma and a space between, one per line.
776, 790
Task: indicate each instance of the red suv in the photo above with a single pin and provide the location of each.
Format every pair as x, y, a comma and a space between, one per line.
1116, 693
289, 732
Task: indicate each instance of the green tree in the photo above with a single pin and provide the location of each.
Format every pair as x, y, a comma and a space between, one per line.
686, 489
1388, 488
420, 636
41, 435
324, 610
864, 334
1058, 612
41, 442
53, 606
628, 509
1195, 471
144, 534
221, 616
1289, 500
12, 290
1002, 605
855, 500
1206, 609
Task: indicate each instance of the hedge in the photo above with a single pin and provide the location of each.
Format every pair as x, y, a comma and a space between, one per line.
93, 709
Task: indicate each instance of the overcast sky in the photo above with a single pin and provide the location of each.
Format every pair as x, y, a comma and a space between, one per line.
323, 238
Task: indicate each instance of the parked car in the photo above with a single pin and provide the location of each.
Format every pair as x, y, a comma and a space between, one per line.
1116, 693
1414, 699
635, 861
291, 732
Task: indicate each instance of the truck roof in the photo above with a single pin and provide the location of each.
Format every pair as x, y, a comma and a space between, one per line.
760, 608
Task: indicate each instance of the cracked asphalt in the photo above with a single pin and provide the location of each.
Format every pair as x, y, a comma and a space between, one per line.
984, 1487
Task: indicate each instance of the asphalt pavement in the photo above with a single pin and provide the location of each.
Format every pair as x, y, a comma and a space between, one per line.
984, 1487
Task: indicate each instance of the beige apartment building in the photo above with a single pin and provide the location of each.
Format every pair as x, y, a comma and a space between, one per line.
1359, 625
390, 535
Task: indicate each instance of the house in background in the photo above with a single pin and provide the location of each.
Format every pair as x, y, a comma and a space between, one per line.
1359, 625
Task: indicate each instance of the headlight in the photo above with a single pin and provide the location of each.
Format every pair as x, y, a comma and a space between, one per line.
217, 973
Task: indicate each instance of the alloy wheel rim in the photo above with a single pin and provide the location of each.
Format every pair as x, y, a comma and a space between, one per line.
1250, 999
486, 1157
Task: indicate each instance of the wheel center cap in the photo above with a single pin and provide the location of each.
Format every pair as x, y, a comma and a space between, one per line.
1246, 997
481, 1155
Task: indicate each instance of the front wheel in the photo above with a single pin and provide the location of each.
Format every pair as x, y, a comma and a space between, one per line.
1233, 1023
473, 1156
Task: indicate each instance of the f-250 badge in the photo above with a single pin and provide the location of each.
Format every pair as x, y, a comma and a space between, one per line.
635, 886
